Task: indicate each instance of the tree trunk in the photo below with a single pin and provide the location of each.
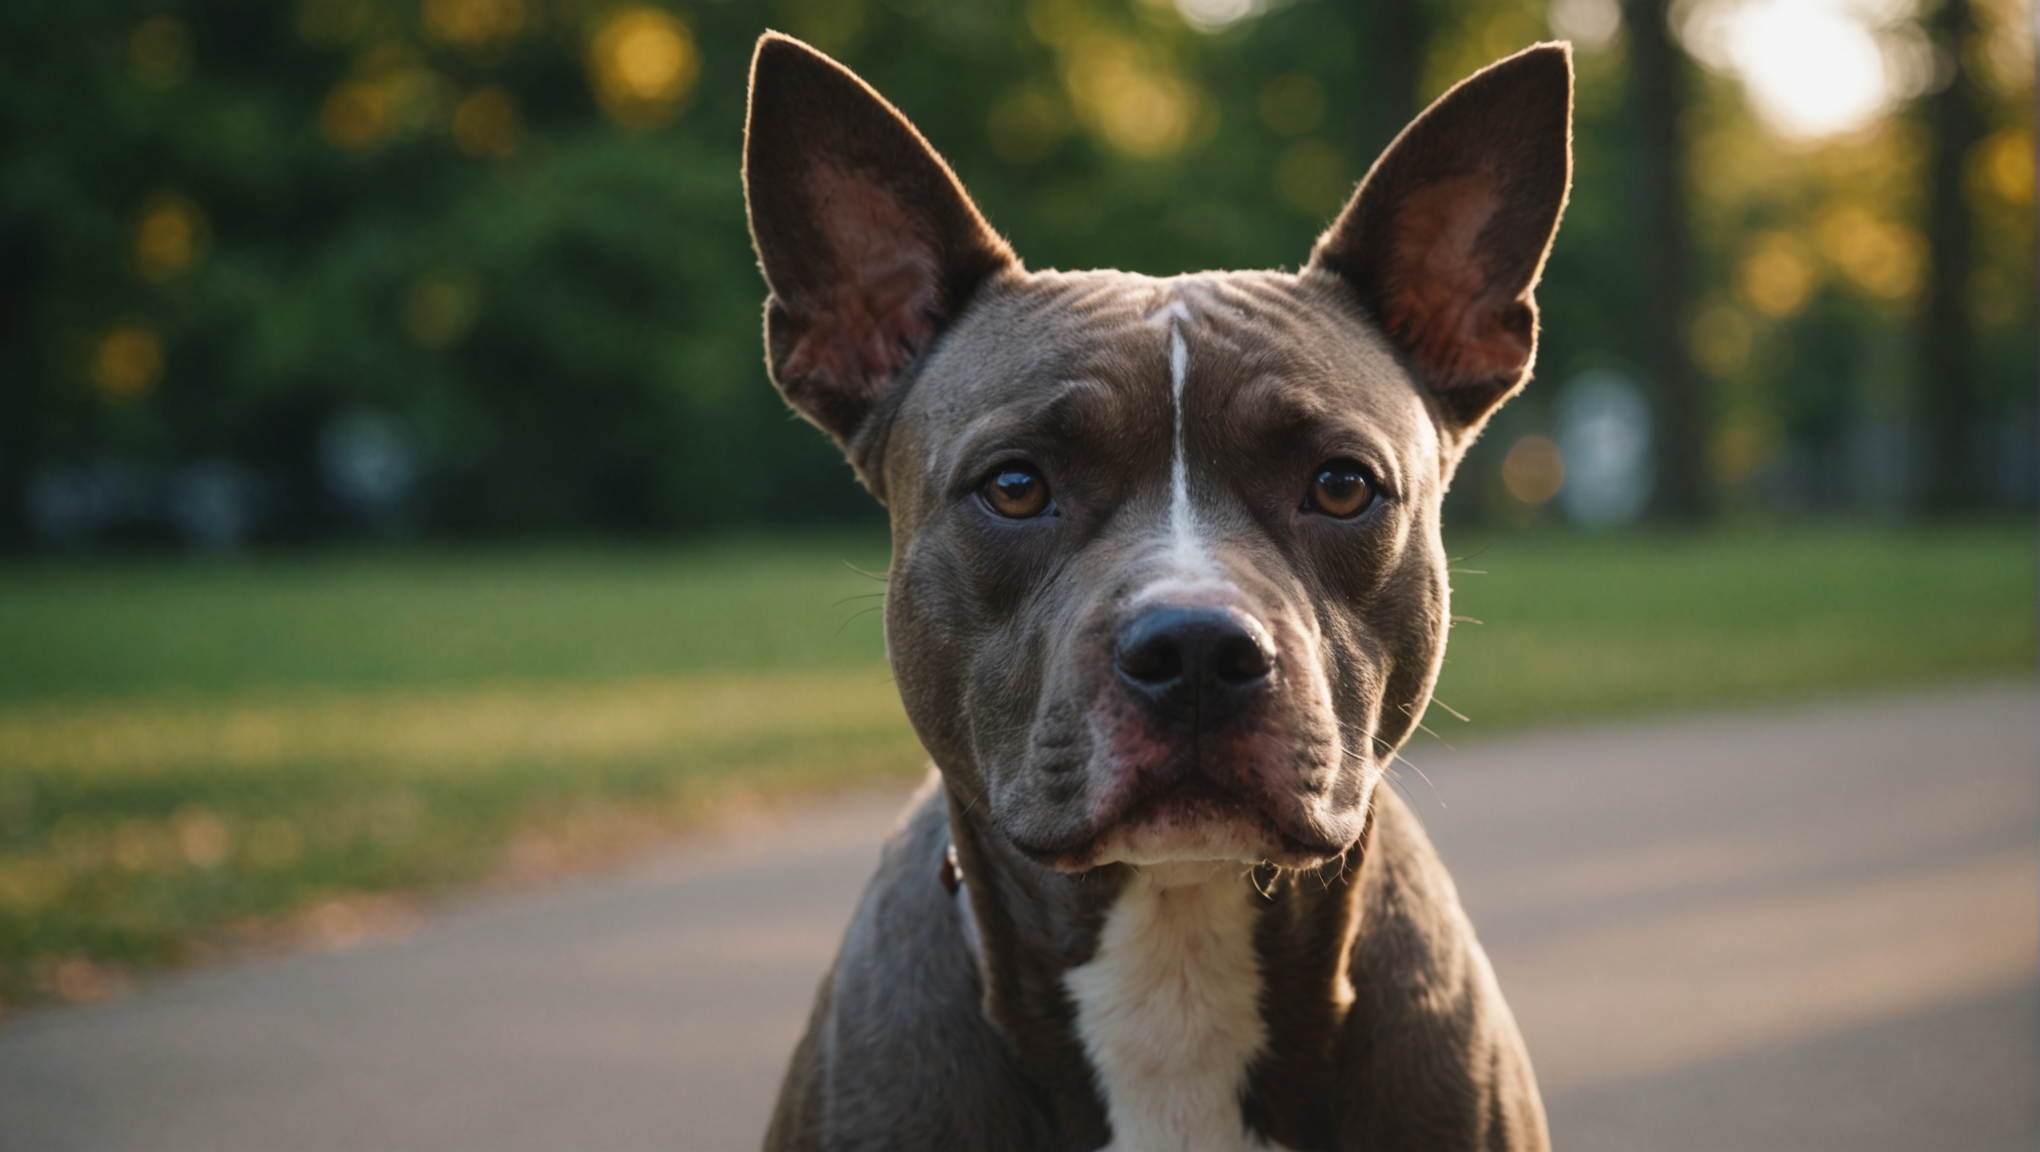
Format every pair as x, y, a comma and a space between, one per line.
1658, 87
1948, 358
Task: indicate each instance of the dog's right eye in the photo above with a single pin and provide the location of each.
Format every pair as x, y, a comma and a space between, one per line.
1341, 489
1016, 491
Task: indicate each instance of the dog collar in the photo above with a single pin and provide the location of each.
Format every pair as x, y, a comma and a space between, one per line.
952, 872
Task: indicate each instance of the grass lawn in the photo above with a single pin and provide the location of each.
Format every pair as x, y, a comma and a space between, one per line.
194, 754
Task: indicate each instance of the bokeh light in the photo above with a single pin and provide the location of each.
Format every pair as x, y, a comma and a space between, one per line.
159, 51
2004, 166
1742, 443
1217, 15
1813, 68
439, 309
1129, 98
486, 124
389, 92
478, 26
1591, 25
1719, 338
355, 115
201, 836
1777, 275
1881, 258
127, 362
1534, 470
643, 66
169, 237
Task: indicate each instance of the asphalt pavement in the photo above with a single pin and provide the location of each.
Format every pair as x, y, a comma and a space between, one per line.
1775, 930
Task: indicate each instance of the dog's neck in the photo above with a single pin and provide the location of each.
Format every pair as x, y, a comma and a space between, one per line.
1169, 1008
1185, 1006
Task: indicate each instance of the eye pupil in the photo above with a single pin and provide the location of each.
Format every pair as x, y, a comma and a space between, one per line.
1017, 493
1341, 490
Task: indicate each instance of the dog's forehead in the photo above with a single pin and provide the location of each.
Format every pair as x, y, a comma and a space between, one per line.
1251, 343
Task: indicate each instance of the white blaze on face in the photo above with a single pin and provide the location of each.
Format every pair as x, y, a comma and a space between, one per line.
1191, 566
1182, 528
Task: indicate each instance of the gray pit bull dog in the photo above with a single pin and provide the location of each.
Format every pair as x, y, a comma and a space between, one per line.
1167, 593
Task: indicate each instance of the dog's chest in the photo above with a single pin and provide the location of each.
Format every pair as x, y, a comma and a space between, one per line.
1168, 1010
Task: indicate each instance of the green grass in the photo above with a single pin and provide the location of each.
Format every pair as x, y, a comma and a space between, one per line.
1583, 626
374, 620
193, 753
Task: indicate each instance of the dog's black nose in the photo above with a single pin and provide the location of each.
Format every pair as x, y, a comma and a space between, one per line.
1198, 663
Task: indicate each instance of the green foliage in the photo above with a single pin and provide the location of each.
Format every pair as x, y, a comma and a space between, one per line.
226, 224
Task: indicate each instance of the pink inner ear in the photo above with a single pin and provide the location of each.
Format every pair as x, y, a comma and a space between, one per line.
1444, 304
860, 329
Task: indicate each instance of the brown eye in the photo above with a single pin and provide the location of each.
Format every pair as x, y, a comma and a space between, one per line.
1341, 489
1017, 492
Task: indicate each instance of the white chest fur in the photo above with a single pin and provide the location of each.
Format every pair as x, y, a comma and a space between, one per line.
1169, 1010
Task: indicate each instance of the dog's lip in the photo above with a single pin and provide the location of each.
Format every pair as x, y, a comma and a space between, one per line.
1281, 845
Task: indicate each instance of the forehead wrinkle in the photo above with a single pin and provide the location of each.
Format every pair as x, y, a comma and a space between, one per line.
1061, 415
1264, 362
1270, 407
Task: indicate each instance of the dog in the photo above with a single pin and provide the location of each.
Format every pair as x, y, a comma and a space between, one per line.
1167, 593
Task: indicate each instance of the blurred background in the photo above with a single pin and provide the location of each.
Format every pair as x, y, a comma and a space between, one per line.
391, 493
474, 268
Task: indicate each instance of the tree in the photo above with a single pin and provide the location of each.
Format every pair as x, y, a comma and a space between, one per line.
1948, 354
1658, 77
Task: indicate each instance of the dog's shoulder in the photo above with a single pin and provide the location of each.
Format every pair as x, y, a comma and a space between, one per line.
1430, 1055
898, 1053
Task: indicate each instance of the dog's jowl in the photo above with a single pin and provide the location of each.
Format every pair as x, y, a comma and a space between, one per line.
1167, 593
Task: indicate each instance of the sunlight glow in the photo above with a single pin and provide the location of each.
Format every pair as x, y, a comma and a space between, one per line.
1813, 68
1213, 15
1590, 24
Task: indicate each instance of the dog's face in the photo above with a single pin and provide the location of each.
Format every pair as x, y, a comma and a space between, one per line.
1167, 579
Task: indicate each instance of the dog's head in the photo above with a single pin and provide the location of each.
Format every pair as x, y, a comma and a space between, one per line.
1167, 580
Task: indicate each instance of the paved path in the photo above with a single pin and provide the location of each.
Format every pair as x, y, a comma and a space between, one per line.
1797, 930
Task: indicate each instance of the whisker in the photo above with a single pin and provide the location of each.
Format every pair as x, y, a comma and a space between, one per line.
1419, 771
855, 615
1427, 728
1463, 718
1398, 784
862, 572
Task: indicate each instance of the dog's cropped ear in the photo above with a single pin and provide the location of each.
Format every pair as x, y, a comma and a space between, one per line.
1447, 235
869, 245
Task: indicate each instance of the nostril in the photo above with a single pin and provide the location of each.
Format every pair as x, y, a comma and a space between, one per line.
1239, 660
1185, 654
1152, 660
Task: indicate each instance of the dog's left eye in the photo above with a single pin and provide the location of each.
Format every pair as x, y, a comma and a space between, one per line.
1340, 489
1016, 491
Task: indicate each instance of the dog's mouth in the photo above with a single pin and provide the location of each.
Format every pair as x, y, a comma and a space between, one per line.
1194, 820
